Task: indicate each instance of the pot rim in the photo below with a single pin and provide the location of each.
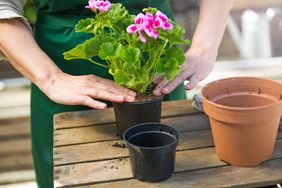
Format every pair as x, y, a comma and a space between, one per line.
156, 98
176, 140
239, 108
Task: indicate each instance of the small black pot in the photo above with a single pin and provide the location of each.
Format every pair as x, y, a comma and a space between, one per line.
129, 114
152, 148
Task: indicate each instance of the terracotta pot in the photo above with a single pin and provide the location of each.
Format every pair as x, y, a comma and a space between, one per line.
244, 114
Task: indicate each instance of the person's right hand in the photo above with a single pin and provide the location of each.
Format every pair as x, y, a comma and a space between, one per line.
83, 90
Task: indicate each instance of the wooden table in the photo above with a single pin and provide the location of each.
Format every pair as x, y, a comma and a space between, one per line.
88, 153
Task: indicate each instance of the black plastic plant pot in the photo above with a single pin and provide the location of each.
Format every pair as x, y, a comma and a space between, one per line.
152, 148
129, 114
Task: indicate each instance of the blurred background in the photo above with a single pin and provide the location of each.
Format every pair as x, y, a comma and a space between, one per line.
251, 46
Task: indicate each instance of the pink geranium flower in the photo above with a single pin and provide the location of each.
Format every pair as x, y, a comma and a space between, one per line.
149, 24
161, 21
139, 25
101, 5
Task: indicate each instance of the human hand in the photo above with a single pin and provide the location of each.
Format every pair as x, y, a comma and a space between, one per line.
197, 66
83, 90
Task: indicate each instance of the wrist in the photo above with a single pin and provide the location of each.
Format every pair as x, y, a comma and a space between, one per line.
202, 50
45, 82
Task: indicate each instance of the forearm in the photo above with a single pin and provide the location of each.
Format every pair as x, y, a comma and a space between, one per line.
211, 25
19, 46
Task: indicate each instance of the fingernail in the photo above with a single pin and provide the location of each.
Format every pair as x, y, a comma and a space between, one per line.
101, 105
158, 91
166, 90
130, 98
132, 93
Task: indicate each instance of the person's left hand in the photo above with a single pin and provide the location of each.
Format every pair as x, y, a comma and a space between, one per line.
197, 66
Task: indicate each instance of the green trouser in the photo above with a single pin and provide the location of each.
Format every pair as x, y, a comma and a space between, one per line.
54, 32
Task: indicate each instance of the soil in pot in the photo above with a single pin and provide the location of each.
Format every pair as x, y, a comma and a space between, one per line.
152, 148
147, 108
244, 113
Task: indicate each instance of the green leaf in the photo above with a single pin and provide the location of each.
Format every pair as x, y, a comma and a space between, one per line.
131, 55
110, 51
117, 12
85, 25
121, 77
160, 66
175, 35
150, 9
86, 50
174, 52
171, 69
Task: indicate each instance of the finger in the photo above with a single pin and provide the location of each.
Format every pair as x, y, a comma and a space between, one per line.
158, 79
172, 85
88, 101
109, 85
181, 77
160, 86
193, 81
117, 88
106, 95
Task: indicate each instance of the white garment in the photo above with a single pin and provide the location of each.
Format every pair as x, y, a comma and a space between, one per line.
13, 9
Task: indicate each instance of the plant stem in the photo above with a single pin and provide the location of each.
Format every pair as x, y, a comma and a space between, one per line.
158, 57
99, 64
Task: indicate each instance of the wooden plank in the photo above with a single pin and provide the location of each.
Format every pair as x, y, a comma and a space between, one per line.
18, 146
267, 174
95, 117
66, 155
15, 112
17, 176
28, 184
15, 97
14, 128
88, 134
107, 132
118, 169
17, 162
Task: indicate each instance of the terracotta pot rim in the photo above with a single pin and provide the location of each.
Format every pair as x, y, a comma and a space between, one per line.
239, 108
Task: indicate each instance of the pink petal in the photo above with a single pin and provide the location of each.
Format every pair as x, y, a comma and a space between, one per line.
131, 28
161, 15
139, 19
148, 29
142, 37
167, 26
149, 18
155, 34
158, 23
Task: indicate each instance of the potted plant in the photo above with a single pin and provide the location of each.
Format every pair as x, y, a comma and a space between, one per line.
134, 49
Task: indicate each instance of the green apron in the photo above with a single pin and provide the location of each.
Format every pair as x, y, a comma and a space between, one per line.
54, 33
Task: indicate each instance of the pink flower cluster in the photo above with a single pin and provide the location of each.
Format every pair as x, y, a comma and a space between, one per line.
101, 5
149, 24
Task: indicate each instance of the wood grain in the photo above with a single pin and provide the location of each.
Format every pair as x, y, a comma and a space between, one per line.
17, 146
105, 150
16, 162
106, 132
118, 169
14, 128
267, 174
84, 154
